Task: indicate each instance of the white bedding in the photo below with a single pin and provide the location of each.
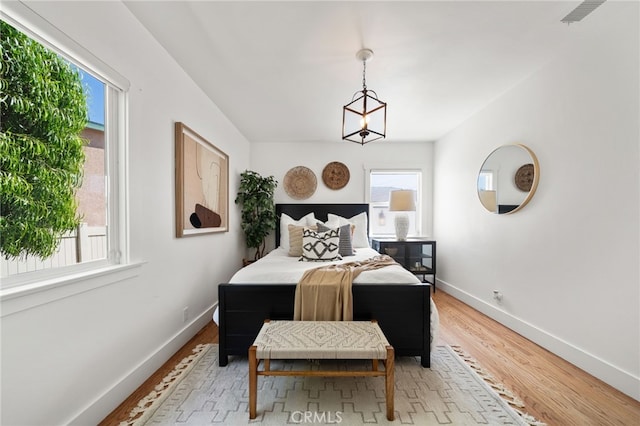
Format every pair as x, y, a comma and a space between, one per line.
279, 267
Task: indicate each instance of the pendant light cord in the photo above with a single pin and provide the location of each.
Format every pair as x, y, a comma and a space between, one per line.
364, 75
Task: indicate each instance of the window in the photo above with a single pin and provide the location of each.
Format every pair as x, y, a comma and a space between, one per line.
381, 183
485, 181
99, 241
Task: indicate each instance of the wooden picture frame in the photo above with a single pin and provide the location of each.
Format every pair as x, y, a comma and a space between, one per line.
202, 184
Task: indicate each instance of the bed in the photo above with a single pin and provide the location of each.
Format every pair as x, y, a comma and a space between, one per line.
394, 297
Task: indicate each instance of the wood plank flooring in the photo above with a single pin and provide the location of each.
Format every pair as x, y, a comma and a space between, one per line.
554, 391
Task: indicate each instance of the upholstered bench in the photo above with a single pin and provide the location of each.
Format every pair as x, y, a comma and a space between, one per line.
321, 340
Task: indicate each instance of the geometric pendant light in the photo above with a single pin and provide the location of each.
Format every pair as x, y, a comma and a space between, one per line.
364, 119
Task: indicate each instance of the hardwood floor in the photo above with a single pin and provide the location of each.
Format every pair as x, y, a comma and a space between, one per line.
553, 390
209, 334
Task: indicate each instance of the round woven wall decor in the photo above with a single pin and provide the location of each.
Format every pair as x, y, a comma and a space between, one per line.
300, 183
335, 175
524, 177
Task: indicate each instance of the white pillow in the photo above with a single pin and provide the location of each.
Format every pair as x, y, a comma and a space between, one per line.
360, 236
286, 220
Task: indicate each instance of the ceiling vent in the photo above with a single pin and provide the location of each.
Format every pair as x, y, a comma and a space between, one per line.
583, 9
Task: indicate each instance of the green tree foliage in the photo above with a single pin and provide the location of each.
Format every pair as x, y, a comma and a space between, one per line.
258, 209
43, 109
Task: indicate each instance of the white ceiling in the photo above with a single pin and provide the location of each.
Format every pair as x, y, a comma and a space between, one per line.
281, 71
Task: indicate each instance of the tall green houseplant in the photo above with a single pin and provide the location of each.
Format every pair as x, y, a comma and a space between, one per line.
255, 195
43, 110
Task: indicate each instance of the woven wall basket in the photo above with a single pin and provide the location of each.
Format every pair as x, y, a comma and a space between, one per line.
300, 183
335, 175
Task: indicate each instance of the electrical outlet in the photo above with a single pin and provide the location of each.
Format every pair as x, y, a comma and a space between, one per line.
497, 296
185, 314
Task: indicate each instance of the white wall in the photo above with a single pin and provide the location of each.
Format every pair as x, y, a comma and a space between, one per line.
276, 159
73, 360
568, 263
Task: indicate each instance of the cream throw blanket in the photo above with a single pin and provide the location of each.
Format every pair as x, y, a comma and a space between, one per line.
324, 293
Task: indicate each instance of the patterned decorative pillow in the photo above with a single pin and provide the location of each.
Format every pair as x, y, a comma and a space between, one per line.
320, 246
345, 246
295, 239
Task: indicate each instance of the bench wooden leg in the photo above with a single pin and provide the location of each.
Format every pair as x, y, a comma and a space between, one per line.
389, 381
253, 382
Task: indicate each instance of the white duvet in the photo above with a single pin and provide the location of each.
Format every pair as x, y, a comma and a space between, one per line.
278, 267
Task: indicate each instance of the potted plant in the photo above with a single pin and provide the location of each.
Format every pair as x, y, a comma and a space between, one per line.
255, 195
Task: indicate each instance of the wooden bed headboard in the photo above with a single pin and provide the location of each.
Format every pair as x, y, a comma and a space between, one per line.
296, 211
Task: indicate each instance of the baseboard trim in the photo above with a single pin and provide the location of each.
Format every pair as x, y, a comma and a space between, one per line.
597, 367
109, 400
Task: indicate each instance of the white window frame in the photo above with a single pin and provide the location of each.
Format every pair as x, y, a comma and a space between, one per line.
419, 196
116, 146
486, 180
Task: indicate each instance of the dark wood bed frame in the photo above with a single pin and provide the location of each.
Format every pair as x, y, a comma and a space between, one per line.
403, 311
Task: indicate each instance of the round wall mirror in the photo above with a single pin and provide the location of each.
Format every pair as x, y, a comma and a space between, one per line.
508, 179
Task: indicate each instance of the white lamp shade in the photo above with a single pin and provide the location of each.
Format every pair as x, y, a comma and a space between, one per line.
402, 200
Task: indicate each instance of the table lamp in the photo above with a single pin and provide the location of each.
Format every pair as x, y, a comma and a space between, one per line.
402, 201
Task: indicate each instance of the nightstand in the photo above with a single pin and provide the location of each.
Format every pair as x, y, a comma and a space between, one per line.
416, 255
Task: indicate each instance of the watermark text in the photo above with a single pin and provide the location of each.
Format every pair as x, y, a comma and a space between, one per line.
325, 417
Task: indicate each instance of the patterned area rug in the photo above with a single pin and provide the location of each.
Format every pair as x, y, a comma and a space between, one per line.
199, 392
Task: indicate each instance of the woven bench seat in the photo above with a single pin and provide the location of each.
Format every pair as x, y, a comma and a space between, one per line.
321, 340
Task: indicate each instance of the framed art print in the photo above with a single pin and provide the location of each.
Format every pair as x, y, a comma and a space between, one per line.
202, 185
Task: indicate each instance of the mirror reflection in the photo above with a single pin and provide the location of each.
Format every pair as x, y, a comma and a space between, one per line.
508, 179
